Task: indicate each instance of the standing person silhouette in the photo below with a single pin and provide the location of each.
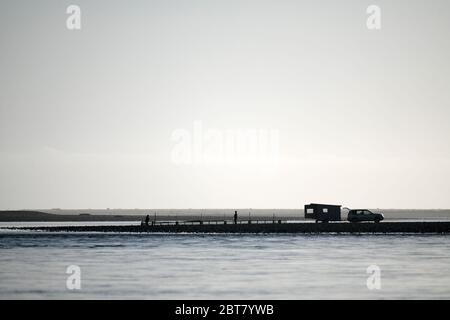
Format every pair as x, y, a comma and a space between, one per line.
235, 217
147, 219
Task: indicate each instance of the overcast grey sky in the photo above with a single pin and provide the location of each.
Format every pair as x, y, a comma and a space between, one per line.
87, 116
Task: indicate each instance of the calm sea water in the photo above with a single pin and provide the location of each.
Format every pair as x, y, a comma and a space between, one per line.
185, 266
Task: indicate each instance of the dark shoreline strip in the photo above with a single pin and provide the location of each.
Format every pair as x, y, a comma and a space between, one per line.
341, 227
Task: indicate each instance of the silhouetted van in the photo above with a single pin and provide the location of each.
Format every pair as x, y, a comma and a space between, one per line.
359, 215
322, 212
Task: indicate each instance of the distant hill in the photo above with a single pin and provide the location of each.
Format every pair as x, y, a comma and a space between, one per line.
25, 216
30, 216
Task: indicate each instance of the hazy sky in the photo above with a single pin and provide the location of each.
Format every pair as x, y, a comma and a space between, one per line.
88, 117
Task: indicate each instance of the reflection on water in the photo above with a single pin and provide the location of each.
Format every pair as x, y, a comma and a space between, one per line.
186, 266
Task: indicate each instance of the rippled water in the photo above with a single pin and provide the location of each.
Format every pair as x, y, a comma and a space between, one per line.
186, 266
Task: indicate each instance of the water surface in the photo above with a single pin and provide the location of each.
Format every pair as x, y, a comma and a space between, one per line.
221, 266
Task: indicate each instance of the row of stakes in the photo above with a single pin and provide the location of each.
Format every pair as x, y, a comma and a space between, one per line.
201, 222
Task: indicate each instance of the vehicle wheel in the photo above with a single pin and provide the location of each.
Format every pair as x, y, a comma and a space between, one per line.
377, 221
